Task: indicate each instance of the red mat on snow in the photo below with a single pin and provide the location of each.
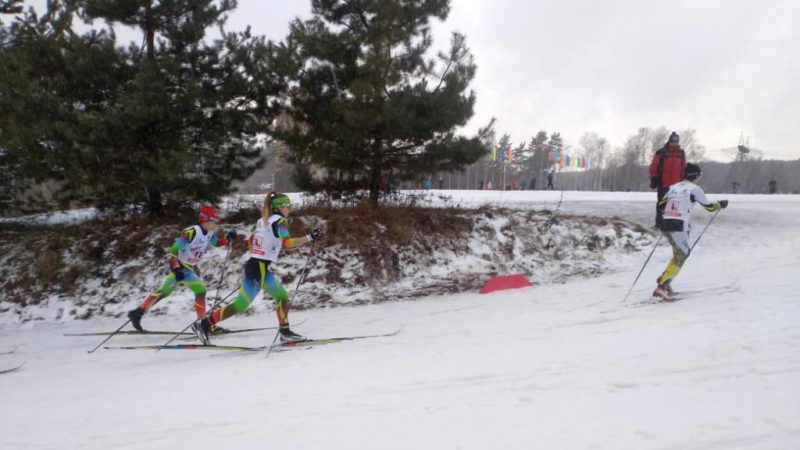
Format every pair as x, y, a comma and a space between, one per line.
504, 282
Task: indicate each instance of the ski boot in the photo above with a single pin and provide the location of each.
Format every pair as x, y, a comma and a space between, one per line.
202, 330
662, 292
135, 315
288, 335
668, 287
219, 330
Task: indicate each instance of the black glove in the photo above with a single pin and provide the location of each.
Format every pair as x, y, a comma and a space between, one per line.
653, 183
176, 268
231, 235
317, 233
723, 204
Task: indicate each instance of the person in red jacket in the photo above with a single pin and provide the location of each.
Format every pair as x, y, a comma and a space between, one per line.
666, 169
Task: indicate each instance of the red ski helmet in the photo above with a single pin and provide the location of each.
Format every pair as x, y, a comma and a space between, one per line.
207, 214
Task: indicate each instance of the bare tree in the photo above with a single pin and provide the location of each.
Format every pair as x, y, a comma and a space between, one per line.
596, 148
691, 145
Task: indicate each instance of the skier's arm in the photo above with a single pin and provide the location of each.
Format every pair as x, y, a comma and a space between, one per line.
217, 241
183, 240
175, 263
699, 196
281, 231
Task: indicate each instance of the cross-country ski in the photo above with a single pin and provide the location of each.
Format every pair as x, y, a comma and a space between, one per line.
8, 368
8, 351
331, 340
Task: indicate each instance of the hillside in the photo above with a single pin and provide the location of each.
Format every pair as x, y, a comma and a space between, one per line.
104, 268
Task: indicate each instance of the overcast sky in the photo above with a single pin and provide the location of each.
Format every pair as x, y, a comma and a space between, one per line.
722, 67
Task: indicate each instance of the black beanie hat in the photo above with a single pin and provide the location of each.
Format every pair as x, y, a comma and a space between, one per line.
692, 172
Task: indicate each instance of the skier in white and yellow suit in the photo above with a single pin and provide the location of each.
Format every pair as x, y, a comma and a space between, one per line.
678, 204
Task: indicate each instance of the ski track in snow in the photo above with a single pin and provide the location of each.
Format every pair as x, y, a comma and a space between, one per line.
565, 366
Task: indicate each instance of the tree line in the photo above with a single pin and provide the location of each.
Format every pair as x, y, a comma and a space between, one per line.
533, 158
352, 94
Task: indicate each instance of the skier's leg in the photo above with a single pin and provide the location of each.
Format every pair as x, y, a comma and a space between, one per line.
276, 290
196, 285
247, 292
167, 288
679, 240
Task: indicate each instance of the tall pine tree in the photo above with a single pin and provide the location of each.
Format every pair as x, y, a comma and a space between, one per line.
191, 119
180, 118
369, 104
53, 82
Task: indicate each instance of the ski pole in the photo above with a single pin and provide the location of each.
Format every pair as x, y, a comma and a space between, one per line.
109, 336
129, 320
224, 269
658, 241
216, 304
552, 217
704, 230
296, 290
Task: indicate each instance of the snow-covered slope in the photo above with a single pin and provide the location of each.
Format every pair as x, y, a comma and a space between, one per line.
47, 277
562, 366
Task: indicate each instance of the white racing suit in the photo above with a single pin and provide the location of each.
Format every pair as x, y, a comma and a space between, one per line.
678, 204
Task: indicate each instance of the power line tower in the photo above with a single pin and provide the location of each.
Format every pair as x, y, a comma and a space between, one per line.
744, 158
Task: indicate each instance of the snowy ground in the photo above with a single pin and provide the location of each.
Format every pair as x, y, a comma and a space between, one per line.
565, 366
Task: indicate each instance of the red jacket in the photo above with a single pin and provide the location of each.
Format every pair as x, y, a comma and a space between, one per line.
668, 165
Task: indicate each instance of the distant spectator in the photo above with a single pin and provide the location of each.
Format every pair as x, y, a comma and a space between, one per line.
441, 182
773, 187
428, 183
489, 185
666, 169
550, 176
533, 184
522, 185
514, 186
480, 185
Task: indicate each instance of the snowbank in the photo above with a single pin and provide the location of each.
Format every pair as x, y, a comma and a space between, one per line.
63, 276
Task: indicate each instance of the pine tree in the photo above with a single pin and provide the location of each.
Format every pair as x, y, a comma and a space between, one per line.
557, 144
52, 79
190, 120
369, 104
537, 160
180, 119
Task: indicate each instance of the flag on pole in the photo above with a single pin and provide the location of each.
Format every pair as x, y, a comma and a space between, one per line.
510, 154
494, 153
503, 154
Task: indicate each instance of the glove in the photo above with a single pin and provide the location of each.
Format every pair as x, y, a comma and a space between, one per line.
317, 233
231, 235
723, 204
176, 268
653, 183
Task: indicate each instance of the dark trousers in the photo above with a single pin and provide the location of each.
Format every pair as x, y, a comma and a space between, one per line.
662, 191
